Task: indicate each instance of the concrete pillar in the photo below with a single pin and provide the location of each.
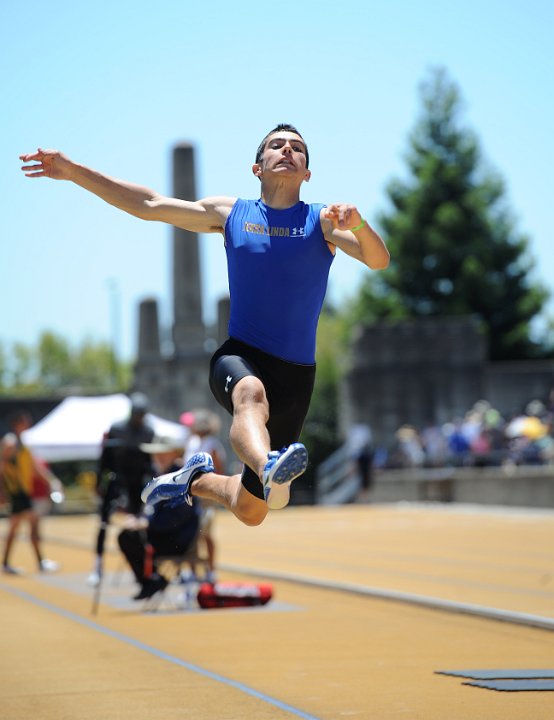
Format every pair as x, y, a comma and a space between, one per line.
223, 314
149, 331
188, 327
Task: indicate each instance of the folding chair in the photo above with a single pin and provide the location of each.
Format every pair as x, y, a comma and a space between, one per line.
184, 571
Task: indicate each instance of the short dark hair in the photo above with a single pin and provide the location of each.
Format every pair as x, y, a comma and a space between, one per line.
18, 416
282, 127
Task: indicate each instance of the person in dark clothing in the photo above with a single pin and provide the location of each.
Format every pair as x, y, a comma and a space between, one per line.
123, 471
123, 463
168, 529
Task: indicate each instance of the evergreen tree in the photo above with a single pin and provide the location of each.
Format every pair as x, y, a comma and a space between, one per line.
453, 242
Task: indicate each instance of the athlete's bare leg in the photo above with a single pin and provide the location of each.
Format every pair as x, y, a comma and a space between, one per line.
250, 441
249, 436
228, 490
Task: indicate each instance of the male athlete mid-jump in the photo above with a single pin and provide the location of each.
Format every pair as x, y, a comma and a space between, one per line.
279, 253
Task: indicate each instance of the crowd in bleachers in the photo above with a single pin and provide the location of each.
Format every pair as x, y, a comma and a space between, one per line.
483, 437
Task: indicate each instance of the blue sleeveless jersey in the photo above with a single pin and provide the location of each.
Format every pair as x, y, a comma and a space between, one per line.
278, 264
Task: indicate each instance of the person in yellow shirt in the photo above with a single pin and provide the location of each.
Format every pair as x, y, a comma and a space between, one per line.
17, 468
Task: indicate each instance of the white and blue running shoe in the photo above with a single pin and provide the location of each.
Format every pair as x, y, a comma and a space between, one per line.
176, 484
280, 470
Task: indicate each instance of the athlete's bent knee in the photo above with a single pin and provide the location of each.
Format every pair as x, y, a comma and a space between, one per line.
247, 392
251, 513
252, 519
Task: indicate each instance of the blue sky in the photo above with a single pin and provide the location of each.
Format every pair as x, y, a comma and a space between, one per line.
117, 84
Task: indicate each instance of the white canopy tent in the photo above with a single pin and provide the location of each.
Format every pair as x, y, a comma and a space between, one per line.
75, 428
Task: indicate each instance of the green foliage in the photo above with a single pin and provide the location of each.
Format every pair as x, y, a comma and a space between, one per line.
453, 243
54, 366
54, 361
23, 364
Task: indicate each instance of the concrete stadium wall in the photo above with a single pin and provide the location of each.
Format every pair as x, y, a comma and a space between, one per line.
527, 486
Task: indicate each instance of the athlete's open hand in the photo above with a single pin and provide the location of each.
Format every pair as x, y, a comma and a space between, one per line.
343, 216
46, 163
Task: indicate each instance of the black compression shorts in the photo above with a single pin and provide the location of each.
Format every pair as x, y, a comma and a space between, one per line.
288, 388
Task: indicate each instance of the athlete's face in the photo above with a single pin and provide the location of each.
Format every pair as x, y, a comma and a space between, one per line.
284, 154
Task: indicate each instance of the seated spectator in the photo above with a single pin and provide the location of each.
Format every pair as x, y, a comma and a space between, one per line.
458, 444
408, 450
205, 427
481, 448
526, 434
168, 528
434, 445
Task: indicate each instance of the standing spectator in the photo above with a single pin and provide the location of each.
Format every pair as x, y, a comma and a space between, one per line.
43, 491
360, 449
123, 471
17, 467
364, 461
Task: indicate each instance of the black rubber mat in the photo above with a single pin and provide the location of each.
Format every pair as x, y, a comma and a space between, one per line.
506, 680
503, 674
513, 685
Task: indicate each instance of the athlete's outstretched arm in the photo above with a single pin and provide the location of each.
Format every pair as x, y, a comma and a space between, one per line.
206, 215
341, 227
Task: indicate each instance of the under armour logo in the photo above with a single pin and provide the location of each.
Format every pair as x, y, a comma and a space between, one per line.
227, 381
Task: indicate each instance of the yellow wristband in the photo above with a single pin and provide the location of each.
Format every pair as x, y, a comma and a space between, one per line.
358, 227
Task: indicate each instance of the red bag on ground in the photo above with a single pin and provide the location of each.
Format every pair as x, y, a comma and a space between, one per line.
233, 594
